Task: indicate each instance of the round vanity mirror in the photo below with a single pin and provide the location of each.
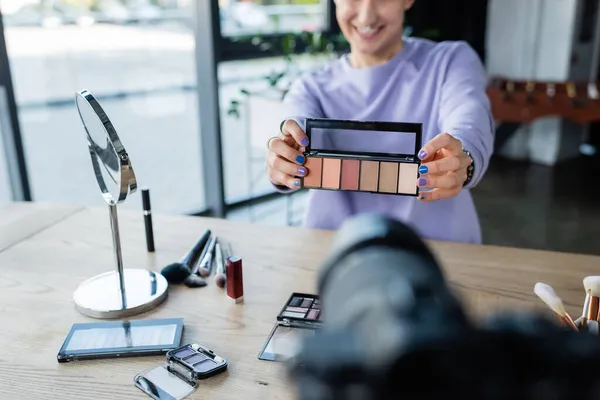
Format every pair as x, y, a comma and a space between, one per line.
123, 292
111, 163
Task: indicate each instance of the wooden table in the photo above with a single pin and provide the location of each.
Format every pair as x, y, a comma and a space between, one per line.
46, 251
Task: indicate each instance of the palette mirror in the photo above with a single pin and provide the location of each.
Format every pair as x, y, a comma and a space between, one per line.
123, 292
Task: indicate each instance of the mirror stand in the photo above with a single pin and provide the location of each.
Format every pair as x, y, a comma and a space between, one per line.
124, 292
120, 293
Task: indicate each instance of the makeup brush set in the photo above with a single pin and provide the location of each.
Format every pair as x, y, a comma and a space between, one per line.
588, 321
208, 255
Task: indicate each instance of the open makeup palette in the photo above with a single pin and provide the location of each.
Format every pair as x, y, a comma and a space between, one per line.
178, 378
363, 156
300, 317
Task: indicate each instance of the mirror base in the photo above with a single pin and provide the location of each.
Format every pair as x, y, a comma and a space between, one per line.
100, 296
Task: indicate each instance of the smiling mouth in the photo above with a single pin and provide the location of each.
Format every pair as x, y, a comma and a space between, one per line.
368, 33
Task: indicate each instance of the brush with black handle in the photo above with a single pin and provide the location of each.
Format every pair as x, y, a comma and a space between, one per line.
178, 272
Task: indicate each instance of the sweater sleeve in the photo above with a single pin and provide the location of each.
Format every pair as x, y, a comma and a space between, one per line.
300, 103
465, 110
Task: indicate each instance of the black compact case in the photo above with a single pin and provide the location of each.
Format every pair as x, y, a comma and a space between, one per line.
178, 378
299, 317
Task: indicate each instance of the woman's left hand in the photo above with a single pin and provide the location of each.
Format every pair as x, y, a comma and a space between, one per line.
443, 168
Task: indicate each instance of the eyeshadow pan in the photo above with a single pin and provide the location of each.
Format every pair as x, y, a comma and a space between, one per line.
314, 166
407, 178
388, 177
331, 173
296, 301
313, 314
184, 353
296, 309
293, 314
350, 174
369, 175
196, 359
205, 365
306, 303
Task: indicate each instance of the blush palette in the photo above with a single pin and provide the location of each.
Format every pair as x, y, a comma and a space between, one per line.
361, 156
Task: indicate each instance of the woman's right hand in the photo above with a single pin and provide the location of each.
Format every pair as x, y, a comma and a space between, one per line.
284, 157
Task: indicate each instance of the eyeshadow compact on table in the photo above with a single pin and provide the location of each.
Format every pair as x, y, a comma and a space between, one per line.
300, 317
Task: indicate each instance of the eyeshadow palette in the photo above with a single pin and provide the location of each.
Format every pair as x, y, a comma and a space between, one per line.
178, 378
303, 309
362, 156
300, 317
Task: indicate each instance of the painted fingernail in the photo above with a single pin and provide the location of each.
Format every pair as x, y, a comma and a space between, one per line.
296, 183
300, 159
304, 142
422, 197
422, 154
301, 171
423, 169
422, 182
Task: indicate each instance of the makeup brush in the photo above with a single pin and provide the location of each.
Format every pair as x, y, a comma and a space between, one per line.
584, 314
194, 281
548, 296
178, 272
204, 268
220, 278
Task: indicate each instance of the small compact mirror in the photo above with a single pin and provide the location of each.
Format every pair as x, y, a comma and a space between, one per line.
124, 292
111, 162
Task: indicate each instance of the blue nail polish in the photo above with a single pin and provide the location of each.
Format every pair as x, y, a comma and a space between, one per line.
422, 154
300, 160
422, 197
423, 169
422, 182
302, 171
304, 142
296, 183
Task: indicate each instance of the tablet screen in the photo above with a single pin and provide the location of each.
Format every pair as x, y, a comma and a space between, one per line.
122, 338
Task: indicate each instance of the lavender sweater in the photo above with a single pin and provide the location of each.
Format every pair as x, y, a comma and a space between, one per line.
442, 86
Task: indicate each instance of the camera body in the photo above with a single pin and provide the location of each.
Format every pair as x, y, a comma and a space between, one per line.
394, 329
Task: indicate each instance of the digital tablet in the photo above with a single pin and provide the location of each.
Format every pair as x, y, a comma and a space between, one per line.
121, 339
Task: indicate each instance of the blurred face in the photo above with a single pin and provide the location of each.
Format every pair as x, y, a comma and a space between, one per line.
372, 27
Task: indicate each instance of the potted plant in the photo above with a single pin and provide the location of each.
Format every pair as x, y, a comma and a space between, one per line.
293, 47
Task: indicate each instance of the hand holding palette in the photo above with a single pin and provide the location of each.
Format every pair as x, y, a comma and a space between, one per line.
178, 378
361, 156
299, 317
